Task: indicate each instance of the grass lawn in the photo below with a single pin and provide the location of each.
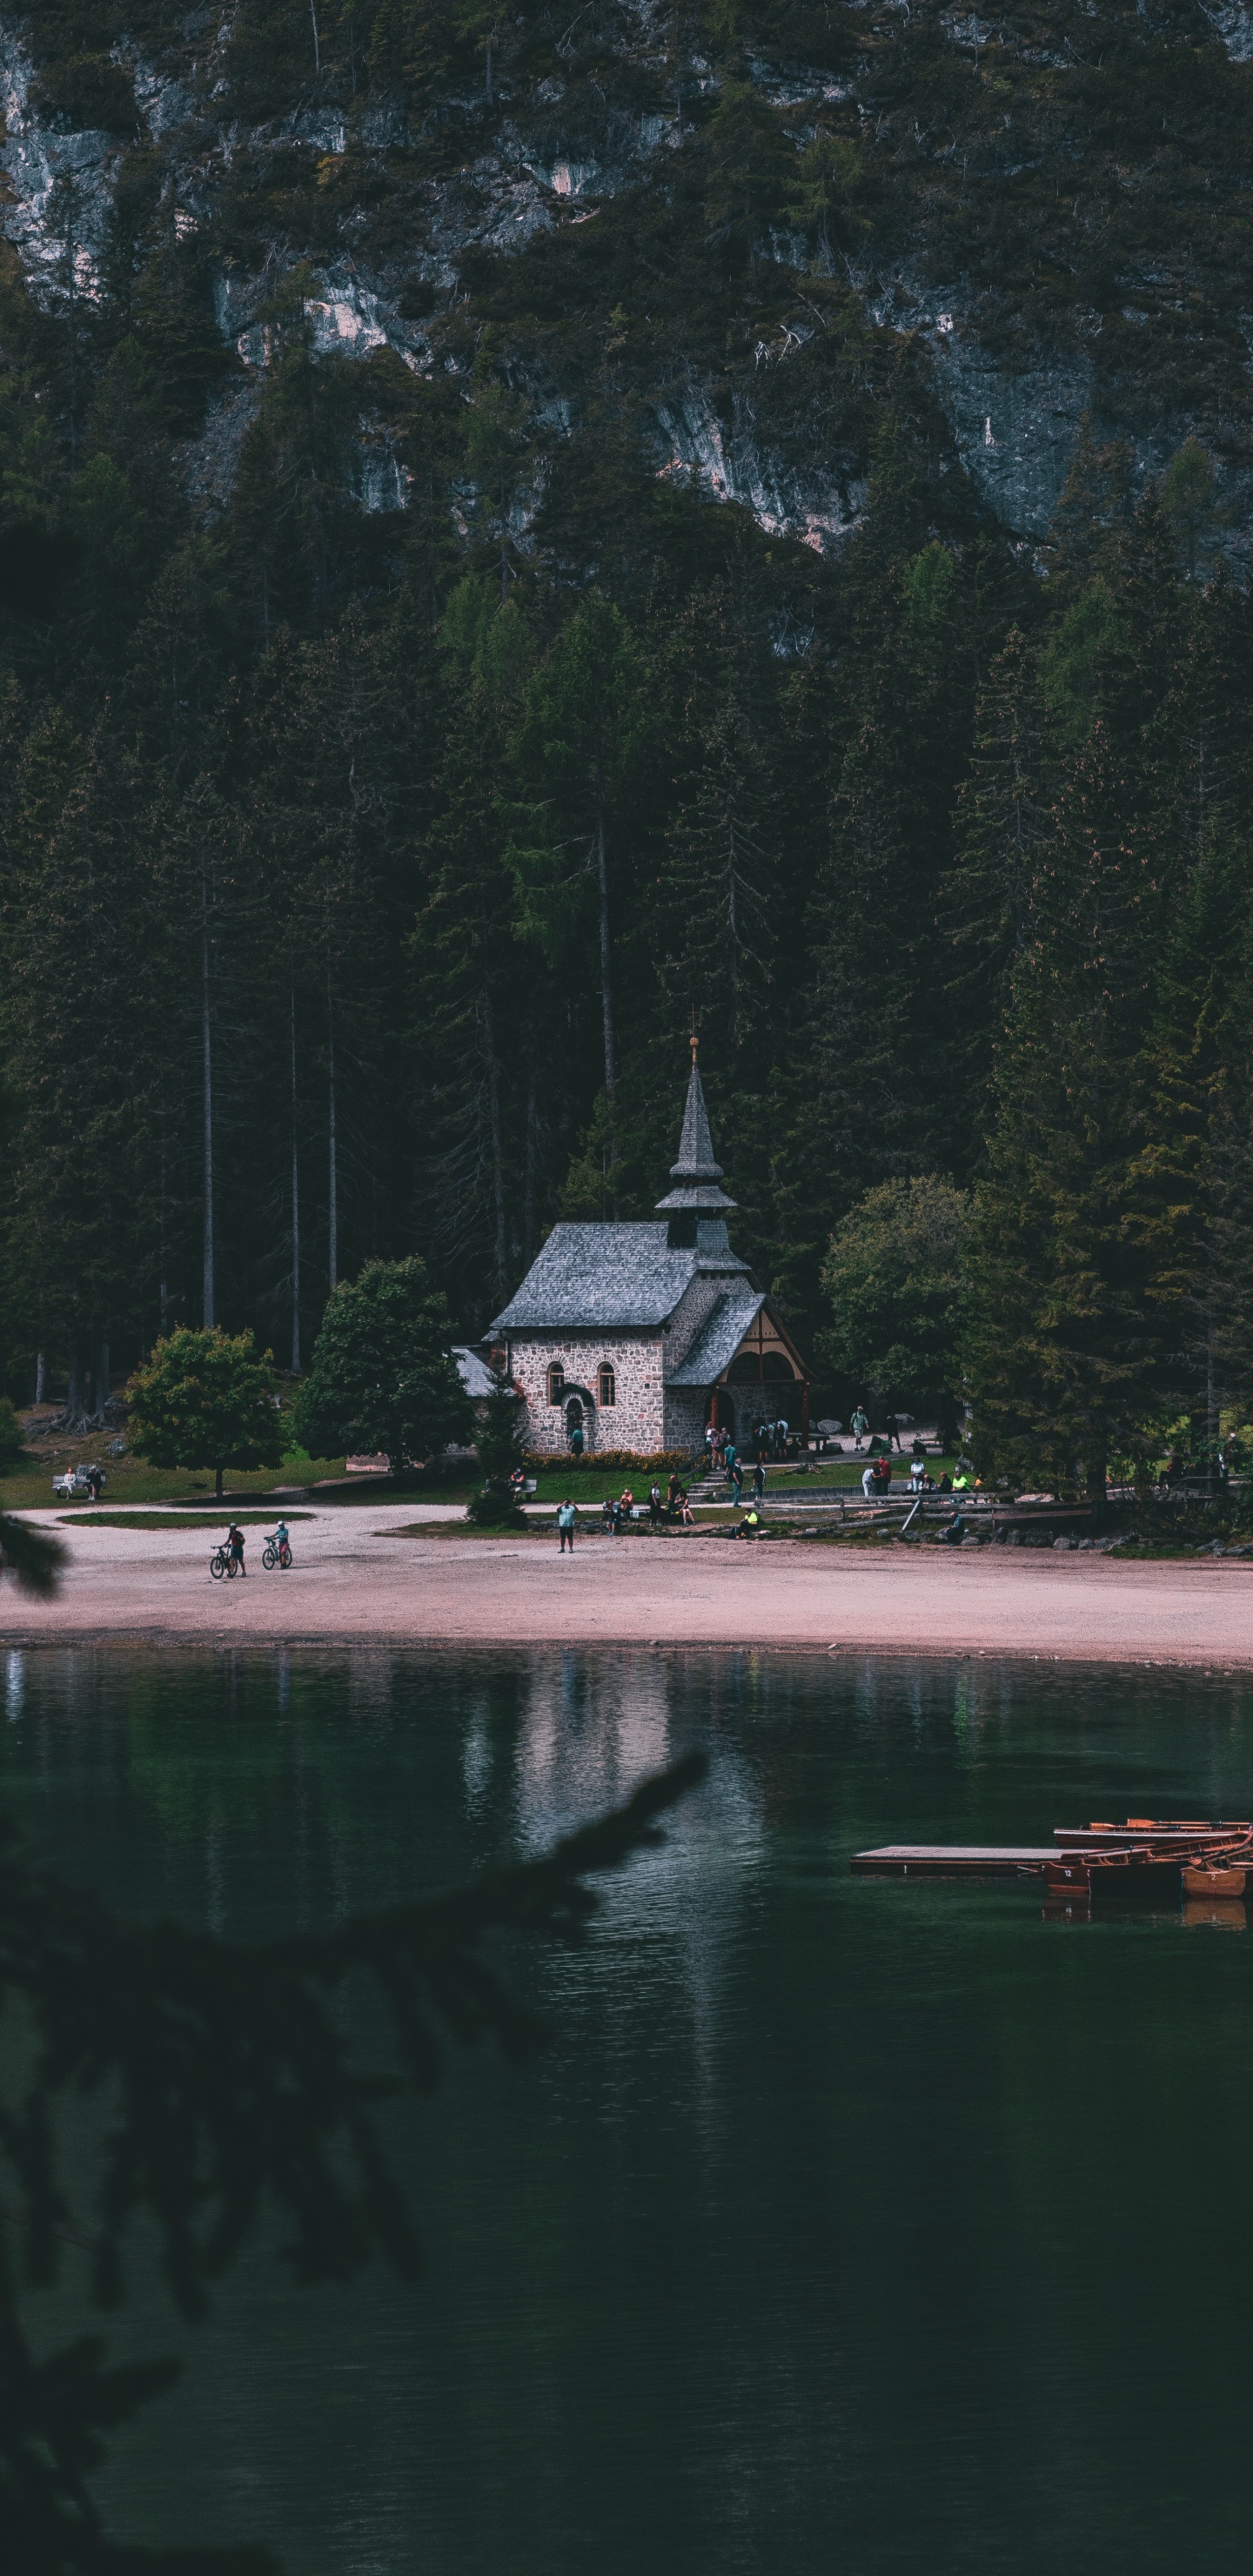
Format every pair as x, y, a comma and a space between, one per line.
590, 1484
28, 1486
552, 1484
847, 1471
175, 1520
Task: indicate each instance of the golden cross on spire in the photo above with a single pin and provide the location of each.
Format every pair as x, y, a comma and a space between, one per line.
693, 1041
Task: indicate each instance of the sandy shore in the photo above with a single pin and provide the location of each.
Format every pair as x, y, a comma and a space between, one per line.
357, 1579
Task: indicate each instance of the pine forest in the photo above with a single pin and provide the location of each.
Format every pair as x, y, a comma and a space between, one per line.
523, 533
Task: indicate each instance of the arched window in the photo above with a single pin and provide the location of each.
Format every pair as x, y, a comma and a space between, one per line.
556, 1382
608, 1389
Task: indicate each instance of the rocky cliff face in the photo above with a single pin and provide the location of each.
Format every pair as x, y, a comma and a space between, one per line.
708, 235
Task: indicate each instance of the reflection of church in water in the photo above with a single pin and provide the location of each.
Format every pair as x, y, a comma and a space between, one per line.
641, 1334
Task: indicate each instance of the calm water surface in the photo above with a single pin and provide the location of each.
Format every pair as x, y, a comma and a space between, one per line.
843, 2225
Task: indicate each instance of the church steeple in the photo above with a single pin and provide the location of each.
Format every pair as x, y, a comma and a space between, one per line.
696, 1206
696, 1145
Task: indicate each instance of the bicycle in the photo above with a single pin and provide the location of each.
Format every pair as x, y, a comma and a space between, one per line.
222, 1562
272, 1555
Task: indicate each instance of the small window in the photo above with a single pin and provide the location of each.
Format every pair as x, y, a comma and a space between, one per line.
556, 1382
608, 1390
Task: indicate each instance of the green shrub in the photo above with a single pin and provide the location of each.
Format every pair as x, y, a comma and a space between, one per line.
494, 1503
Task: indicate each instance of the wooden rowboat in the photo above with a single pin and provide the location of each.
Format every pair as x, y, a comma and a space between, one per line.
1187, 1833
1202, 1878
1144, 1868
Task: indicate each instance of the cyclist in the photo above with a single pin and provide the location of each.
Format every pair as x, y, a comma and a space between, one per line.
235, 1547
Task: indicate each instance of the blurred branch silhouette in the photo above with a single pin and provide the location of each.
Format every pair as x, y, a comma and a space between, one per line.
229, 2084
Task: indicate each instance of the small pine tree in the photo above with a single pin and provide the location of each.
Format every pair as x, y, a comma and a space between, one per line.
494, 1503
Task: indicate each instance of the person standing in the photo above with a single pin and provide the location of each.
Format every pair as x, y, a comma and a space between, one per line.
893, 1429
730, 1459
566, 1518
869, 1480
235, 1547
654, 1505
860, 1425
759, 1479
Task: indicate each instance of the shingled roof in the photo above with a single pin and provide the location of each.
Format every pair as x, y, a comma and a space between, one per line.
634, 1275
601, 1274
719, 1338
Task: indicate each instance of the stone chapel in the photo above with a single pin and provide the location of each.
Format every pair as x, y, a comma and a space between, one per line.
641, 1334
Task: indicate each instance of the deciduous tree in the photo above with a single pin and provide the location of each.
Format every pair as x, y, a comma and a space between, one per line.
205, 1400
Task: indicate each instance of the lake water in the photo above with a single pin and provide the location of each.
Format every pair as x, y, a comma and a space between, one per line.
843, 2226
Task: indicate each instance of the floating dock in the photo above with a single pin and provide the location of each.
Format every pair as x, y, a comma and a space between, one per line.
1171, 1840
953, 1860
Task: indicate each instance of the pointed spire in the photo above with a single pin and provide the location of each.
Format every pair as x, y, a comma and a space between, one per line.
696, 1145
695, 1175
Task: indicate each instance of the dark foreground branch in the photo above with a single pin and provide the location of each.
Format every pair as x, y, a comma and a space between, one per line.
31, 1554
231, 2084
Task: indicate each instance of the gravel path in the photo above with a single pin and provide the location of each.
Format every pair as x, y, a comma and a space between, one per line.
357, 1578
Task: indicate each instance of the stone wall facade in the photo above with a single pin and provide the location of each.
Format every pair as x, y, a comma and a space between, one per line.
635, 1420
687, 1412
